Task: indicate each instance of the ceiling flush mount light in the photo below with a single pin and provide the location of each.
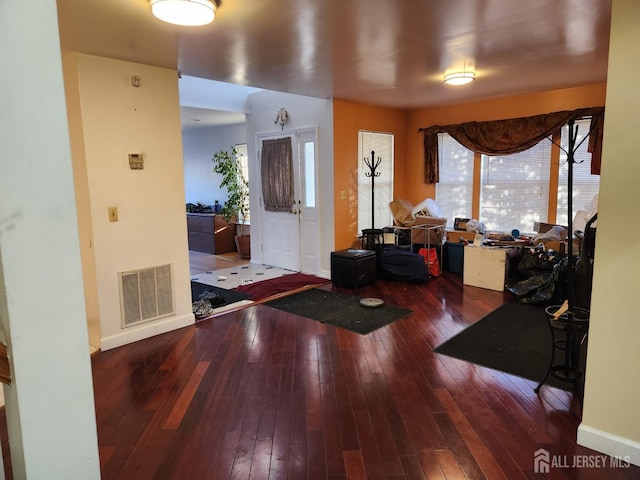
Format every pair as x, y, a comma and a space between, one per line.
459, 78
190, 13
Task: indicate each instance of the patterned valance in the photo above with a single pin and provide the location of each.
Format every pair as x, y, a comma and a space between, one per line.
506, 137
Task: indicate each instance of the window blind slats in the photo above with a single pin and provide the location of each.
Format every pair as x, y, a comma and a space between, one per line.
382, 145
454, 193
514, 189
585, 185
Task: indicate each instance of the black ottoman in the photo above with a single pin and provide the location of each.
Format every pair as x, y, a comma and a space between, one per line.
353, 268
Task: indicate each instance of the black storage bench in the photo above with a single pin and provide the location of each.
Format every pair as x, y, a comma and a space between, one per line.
353, 268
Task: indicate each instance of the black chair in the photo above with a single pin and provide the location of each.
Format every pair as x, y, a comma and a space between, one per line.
583, 270
372, 239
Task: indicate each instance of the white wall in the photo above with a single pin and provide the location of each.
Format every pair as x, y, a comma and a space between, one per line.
304, 112
49, 406
118, 119
611, 417
83, 201
199, 145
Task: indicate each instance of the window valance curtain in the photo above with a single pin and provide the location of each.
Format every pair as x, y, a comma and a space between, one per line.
277, 175
506, 137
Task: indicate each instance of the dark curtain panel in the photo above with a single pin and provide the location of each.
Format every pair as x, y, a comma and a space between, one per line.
277, 175
506, 137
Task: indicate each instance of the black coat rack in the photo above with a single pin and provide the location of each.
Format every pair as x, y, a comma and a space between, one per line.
372, 237
571, 150
373, 166
574, 320
572, 147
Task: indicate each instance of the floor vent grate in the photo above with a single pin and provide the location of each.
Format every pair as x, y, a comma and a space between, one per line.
146, 294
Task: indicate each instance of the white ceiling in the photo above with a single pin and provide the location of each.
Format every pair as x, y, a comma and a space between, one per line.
209, 103
391, 52
193, 118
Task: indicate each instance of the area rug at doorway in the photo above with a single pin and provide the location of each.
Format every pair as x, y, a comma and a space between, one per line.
515, 338
257, 291
340, 310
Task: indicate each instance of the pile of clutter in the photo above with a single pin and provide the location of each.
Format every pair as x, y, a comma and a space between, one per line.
207, 302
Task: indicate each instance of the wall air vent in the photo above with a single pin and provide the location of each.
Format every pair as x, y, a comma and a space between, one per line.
146, 294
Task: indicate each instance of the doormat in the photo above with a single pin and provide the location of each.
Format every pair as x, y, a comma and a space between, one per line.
343, 311
274, 286
514, 338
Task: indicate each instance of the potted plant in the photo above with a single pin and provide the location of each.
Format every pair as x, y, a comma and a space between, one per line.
235, 210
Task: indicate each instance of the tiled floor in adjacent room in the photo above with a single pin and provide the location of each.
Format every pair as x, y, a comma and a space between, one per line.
238, 275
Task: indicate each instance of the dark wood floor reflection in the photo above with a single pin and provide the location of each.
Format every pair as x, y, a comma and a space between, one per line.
259, 393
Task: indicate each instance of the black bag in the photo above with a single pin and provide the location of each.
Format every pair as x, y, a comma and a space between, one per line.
544, 288
403, 265
537, 261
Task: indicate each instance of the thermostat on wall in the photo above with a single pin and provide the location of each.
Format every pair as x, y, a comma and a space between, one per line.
136, 161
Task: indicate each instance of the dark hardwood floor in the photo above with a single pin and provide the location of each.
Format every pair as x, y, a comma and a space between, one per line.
263, 394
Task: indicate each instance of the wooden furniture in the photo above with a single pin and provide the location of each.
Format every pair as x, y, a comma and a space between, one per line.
210, 233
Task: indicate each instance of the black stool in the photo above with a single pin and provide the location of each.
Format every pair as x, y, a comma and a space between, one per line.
569, 335
353, 268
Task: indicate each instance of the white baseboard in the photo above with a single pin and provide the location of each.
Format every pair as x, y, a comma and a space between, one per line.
146, 330
609, 444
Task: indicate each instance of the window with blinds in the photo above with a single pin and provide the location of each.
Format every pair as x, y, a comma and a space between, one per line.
585, 185
454, 192
514, 191
382, 145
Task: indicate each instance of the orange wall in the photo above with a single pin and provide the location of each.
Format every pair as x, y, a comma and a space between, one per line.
495, 109
349, 117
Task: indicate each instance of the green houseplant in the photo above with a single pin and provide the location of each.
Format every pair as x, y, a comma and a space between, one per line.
235, 210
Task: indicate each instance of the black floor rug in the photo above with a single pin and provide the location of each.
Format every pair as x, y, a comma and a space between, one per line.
515, 338
337, 309
229, 296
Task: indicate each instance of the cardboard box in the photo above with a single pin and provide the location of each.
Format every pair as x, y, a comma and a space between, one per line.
563, 247
541, 227
456, 235
428, 230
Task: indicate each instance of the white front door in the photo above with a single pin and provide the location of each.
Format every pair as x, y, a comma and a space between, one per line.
308, 206
290, 239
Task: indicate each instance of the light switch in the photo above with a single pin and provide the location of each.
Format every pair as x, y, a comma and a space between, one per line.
113, 214
343, 194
